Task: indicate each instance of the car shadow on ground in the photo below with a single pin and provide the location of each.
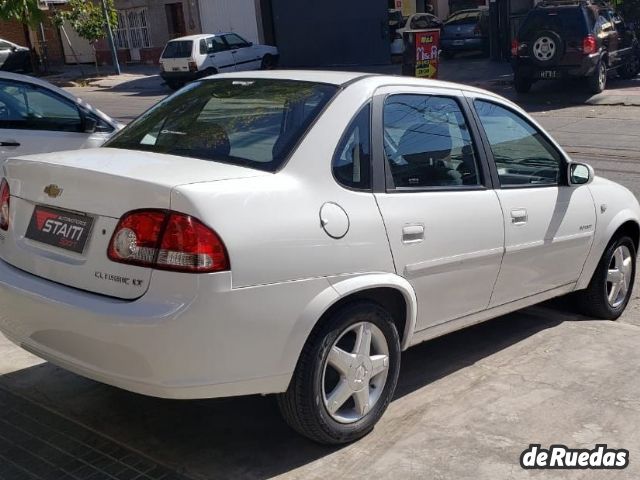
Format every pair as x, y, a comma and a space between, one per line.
151, 85
245, 436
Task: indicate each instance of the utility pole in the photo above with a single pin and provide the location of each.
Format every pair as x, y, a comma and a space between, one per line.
112, 45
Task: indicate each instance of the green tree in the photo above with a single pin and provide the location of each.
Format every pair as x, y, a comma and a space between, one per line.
26, 12
87, 18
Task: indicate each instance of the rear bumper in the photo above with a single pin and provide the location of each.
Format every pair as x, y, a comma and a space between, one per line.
190, 336
460, 44
526, 67
180, 77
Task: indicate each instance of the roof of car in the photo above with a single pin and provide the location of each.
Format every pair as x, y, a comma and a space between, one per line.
344, 78
199, 36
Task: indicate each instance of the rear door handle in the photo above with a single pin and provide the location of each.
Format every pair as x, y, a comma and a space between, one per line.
519, 216
412, 233
9, 143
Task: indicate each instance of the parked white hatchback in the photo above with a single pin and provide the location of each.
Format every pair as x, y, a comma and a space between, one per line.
38, 117
293, 232
186, 59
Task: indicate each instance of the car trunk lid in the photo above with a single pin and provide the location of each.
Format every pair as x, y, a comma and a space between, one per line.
65, 207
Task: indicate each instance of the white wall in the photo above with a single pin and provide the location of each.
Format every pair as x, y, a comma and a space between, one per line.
238, 16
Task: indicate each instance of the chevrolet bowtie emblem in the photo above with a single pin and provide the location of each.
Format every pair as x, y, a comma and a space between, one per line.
53, 190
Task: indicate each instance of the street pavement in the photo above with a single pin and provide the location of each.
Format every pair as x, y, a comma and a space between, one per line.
467, 404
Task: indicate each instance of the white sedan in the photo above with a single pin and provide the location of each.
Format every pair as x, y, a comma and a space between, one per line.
38, 117
294, 232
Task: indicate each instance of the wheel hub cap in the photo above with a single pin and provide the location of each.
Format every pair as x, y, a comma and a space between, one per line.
355, 372
544, 48
619, 276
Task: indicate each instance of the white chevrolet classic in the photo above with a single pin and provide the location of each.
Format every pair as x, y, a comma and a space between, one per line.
292, 232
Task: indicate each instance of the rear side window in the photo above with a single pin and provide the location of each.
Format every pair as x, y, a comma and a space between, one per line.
212, 45
178, 49
565, 21
250, 122
464, 18
352, 161
427, 143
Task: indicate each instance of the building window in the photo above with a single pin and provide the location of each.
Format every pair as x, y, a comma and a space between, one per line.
133, 29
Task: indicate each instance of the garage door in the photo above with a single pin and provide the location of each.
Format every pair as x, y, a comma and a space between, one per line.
331, 32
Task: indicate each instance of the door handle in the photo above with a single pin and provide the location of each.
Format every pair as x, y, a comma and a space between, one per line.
9, 143
519, 216
412, 233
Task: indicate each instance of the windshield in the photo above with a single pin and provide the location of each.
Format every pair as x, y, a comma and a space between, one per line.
253, 122
178, 49
464, 18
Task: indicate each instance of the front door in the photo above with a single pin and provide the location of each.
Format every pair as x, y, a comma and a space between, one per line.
548, 225
219, 55
444, 223
245, 56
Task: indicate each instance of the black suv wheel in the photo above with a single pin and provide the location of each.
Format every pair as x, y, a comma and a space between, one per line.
598, 81
522, 83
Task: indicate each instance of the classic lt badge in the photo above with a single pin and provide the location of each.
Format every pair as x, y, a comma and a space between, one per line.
53, 190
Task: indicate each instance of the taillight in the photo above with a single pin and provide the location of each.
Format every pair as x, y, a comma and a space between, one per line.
515, 46
5, 196
193, 66
589, 44
167, 240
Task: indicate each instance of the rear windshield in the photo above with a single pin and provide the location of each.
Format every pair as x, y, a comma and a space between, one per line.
463, 18
178, 49
250, 122
564, 20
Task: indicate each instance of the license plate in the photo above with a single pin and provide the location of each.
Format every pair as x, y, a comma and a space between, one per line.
458, 43
549, 74
58, 228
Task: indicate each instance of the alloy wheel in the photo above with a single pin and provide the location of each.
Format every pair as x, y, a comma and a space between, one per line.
619, 276
355, 372
544, 49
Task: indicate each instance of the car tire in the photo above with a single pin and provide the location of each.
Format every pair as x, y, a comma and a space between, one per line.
547, 48
599, 300
174, 85
268, 62
354, 384
598, 80
521, 83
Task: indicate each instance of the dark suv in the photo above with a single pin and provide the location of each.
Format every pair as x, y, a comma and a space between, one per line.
573, 39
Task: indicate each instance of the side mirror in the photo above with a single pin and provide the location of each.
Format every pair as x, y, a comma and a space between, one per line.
250, 44
14, 49
90, 124
580, 174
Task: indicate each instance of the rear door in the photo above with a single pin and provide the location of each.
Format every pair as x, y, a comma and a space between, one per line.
36, 120
444, 222
219, 55
177, 54
548, 225
246, 57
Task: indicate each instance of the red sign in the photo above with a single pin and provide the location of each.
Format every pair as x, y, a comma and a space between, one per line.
399, 4
427, 53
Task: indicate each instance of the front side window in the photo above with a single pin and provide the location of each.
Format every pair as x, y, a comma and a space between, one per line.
352, 162
235, 41
427, 143
523, 156
253, 122
31, 108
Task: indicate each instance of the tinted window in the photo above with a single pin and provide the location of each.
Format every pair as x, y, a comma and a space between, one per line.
564, 20
427, 142
463, 18
522, 154
27, 107
4, 45
212, 45
352, 162
255, 123
178, 49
